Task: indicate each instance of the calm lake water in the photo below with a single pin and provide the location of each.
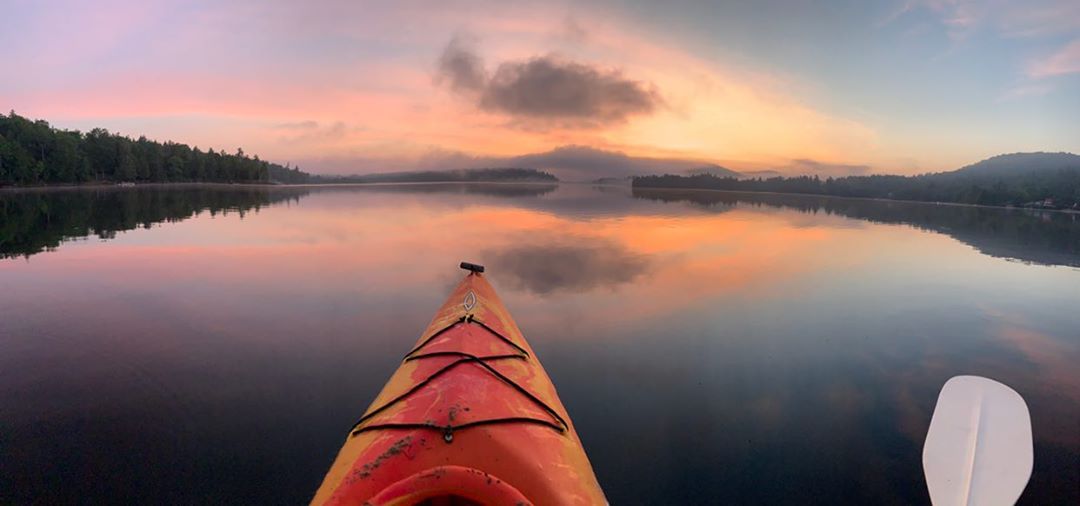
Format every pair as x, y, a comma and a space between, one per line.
214, 344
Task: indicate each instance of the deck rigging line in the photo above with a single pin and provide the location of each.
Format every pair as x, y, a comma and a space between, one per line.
464, 358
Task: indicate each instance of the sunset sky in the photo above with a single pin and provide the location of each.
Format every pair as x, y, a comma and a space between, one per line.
841, 87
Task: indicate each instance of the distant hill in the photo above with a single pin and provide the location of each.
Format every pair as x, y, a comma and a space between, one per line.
1015, 164
1036, 180
584, 163
499, 175
713, 170
762, 174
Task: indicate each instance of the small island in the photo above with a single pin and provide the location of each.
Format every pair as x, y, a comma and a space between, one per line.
488, 175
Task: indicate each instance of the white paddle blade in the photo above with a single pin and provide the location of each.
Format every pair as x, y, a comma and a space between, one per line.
978, 449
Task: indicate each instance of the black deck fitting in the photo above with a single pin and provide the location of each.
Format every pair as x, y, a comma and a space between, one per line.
477, 268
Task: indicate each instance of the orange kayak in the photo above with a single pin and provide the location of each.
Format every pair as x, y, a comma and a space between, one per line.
470, 417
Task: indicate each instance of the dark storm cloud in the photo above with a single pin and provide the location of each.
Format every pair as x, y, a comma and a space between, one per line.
550, 88
545, 88
547, 265
460, 67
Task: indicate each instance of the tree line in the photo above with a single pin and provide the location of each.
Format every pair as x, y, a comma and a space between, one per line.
34, 153
33, 221
1056, 189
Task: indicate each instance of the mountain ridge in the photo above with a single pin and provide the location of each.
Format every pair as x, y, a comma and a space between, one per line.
1021, 162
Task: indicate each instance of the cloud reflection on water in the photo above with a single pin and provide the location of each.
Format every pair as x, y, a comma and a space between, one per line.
545, 265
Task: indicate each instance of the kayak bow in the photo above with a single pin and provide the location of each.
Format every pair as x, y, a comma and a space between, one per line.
470, 417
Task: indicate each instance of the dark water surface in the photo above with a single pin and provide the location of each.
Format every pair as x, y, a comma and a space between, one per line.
213, 345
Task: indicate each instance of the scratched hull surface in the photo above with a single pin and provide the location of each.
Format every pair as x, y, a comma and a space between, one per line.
469, 399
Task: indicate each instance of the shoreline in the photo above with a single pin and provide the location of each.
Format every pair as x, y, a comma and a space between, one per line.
87, 186
872, 199
98, 185
117, 186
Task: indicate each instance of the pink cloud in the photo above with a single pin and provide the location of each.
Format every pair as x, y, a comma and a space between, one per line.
1031, 18
1065, 61
1041, 18
1026, 90
959, 17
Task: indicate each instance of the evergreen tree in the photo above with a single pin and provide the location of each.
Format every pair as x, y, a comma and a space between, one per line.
33, 152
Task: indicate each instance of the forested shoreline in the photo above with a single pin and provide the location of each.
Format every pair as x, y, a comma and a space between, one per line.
32, 221
1033, 236
34, 153
1056, 188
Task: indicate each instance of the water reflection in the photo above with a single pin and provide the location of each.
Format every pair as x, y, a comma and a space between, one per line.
1041, 237
550, 263
37, 221
510, 190
710, 348
34, 221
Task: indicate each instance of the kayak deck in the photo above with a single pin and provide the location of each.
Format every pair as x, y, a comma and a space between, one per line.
471, 415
